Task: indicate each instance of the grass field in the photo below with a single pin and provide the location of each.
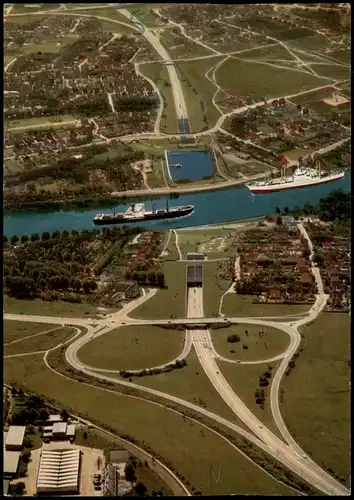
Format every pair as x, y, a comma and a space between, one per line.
144, 13
267, 53
40, 342
180, 47
215, 243
158, 73
56, 308
294, 154
316, 399
246, 78
331, 71
53, 45
15, 330
172, 253
198, 92
213, 288
132, 348
188, 447
244, 380
190, 383
171, 301
34, 7
8, 59
156, 178
242, 305
41, 122
271, 343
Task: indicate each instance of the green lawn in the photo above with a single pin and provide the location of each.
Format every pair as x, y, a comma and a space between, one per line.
191, 384
15, 330
242, 305
215, 243
133, 348
144, 13
267, 53
244, 380
316, 400
213, 288
271, 342
158, 73
247, 78
172, 300
156, 178
332, 71
190, 448
294, 154
40, 342
52, 45
34, 7
198, 92
56, 308
180, 47
8, 59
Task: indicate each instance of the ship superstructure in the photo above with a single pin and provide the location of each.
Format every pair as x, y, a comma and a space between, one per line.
138, 213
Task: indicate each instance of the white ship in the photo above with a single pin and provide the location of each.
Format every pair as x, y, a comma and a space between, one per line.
302, 177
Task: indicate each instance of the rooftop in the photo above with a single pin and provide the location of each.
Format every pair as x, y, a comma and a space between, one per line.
15, 435
11, 459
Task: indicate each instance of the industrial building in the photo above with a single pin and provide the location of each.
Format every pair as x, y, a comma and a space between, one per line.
14, 438
11, 461
59, 431
59, 472
195, 275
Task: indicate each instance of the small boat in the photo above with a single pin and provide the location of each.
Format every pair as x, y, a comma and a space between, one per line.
176, 165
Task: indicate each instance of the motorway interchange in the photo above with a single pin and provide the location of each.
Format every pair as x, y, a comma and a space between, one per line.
285, 450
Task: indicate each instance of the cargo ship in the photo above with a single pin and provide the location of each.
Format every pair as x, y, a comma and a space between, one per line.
302, 177
137, 213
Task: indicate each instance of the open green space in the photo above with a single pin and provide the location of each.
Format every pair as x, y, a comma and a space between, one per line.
215, 243
180, 47
40, 342
312, 43
190, 448
8, 59
191, 384
133, 348
296, 153
242, 305
248, 78
268, 53
41, 122
166, 302
144, 13
157, 72
157, 177
331, 71
213, 288
342, 55
316, 398
244, 380
263, 342
55, 308
33, 7
198, 92
15, 330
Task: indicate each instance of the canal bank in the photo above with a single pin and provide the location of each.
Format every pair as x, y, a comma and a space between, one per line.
211, 207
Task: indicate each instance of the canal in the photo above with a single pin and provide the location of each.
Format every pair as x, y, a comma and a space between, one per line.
210, 208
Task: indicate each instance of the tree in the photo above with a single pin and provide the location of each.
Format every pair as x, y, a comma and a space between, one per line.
233, 339
43, 414
34, 237
24, 238
130, 472
14, 239
27, 442
140, 489
64, 415
45, 236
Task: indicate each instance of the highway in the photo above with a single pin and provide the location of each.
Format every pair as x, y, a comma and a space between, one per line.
180, 105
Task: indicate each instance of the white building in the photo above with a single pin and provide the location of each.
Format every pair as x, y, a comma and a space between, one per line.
15, 436
59, 471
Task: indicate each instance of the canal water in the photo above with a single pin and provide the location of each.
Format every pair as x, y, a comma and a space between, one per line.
195, 165
210, 208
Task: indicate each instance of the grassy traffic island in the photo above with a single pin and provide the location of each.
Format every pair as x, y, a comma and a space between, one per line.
132, 347
249, 342
244, 305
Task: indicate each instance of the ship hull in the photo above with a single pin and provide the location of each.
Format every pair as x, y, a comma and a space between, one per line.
171, 214
292, 185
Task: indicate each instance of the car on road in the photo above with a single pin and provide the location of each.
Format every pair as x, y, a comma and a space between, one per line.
238, 361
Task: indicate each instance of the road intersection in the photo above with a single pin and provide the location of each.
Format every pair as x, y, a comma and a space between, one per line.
288, 452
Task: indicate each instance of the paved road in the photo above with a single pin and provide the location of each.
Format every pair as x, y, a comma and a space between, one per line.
180, 105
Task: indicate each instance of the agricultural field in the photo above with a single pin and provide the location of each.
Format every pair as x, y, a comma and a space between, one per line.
242, 305
254, 79
167, 302
39, 342
262, 342
133, 348
15, 331
316, 397
186, 445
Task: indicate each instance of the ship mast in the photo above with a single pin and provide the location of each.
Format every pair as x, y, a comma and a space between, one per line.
167, 204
